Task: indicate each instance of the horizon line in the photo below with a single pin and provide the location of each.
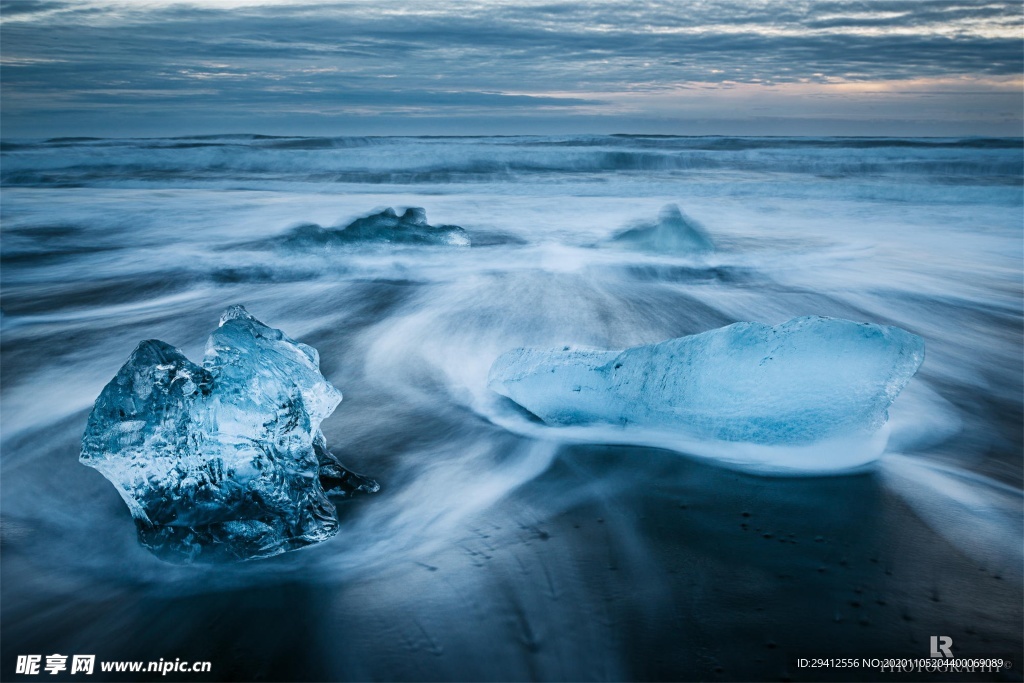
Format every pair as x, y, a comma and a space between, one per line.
265, 136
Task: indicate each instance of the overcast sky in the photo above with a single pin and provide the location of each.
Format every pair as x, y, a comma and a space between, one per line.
841, 67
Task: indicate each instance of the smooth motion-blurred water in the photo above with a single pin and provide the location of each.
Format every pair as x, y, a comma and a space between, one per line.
488, 554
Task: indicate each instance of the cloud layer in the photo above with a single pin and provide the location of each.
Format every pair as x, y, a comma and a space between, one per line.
354, 66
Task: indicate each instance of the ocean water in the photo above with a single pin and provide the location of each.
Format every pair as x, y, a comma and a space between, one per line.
495, 553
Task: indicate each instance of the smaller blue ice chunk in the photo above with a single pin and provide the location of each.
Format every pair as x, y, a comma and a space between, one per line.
674, 234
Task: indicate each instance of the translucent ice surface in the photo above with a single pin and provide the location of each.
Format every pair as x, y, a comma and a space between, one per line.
224, 461
808, 395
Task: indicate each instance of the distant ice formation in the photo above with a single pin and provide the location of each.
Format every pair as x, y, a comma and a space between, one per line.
223, 461
384, 227
808, 395
673, 234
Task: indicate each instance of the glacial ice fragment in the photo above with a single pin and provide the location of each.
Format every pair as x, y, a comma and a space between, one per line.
673, 234
387, 227
752, 394
224, 461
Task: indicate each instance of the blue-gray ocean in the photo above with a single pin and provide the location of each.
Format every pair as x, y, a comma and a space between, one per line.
490, 554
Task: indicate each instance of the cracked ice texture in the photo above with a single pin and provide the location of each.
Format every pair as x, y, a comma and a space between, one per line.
225, 461
805, 381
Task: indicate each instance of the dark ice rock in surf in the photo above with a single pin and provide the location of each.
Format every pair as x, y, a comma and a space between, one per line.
223, 461
385, 227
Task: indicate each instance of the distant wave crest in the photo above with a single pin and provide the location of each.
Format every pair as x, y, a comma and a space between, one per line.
422, 160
